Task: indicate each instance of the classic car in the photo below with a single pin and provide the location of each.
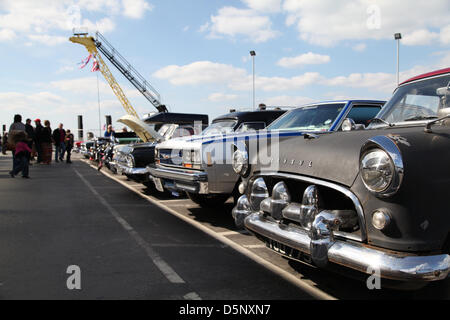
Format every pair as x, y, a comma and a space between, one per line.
203, 183
85, 148
133, 160
215, 180
366, 199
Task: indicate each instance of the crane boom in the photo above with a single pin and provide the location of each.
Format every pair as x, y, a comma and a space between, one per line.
129, 72
90, 44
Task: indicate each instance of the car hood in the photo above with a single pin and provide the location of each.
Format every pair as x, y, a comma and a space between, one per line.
335, 156
180, 143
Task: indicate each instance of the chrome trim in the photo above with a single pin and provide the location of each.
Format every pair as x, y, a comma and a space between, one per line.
130, 171
355, 255
258, 192
389, 146
346, 192
187, 176
245, 165
241, 211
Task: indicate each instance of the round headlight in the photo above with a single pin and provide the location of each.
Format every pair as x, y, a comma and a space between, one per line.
240, 162
377, 170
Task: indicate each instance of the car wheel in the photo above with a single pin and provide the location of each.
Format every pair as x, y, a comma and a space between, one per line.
208, 200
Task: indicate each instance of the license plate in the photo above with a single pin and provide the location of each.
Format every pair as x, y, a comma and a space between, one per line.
158, 184
288, 251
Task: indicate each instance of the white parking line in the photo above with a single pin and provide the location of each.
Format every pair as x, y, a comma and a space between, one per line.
192, 296
232, 233
254, 246
310, 289
168, 272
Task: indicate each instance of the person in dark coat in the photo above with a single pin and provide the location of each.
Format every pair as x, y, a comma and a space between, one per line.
46, 143
69, 145
38, 132
59, 138
31, 135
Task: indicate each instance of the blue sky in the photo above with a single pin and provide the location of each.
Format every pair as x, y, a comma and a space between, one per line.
196, 53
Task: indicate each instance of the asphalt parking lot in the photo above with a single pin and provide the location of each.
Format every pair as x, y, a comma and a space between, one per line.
130, 244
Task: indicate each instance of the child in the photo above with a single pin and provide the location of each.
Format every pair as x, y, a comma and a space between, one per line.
21, 155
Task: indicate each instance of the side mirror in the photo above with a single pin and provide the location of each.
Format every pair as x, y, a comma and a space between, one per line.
349, 124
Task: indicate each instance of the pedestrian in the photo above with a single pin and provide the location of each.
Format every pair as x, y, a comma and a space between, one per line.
31, 136
59, 139
38, 139
109, 133
22, 155
5, 142
15, 129
46, 143
69, 145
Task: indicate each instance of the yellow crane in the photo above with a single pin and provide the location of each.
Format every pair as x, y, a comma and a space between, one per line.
93, 46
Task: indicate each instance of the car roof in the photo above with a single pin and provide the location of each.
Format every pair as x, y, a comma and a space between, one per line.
345, 102
260, 115
177, 118
427, 75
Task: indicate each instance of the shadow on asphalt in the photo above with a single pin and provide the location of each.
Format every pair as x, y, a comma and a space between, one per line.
331, 281
217, 217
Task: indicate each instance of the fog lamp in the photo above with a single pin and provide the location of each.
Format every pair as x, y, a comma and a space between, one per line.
380, 219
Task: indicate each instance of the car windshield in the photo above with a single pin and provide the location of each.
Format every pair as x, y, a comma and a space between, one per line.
220, 127
164, 129
417, 101
311, 118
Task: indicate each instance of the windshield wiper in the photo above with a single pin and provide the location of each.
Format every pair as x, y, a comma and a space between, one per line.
417, 118
429, 124
382, 120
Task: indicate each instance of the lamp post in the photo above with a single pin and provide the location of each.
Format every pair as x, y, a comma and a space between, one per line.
253, 54
397, 37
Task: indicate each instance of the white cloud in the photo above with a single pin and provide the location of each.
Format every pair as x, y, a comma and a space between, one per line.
53, 18
85, 85
136, 8
419, 37
288, 101
275, 83
360, 47
264, 5
200, 72
303, 59
219, 97
232, 22
7, 35
325, 23
207, 72
104, 25
204, 27
377, 81
47, 39
444, 36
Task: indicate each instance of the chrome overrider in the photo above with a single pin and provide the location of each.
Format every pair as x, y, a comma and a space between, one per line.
122, 168
318, 236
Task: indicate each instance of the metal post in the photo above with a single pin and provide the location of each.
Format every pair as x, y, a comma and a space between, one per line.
253, 54
397, 37
99, 116
80, 128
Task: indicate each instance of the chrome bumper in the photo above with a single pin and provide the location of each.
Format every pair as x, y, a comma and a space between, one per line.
354, 255
190, 181
130, 171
